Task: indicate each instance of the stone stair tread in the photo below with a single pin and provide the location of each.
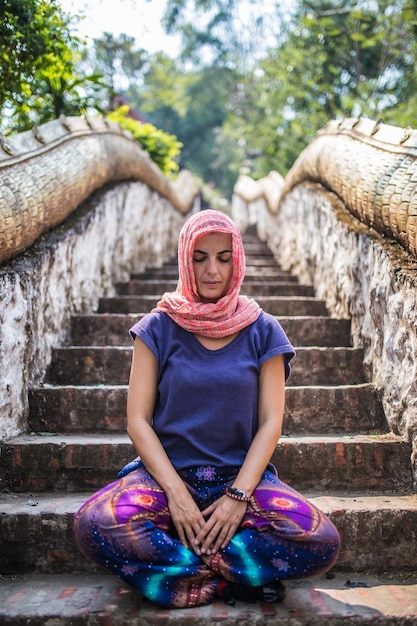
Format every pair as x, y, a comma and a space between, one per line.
115, 438
101, 364
149, 287
169, 283
377, 461
252, 273
283, 288
112, 329
265, 275
93, 599
275, 305
110, 387
364, 385
93, 408
95, 438
314, 350
62, 502
261, 262
35, 531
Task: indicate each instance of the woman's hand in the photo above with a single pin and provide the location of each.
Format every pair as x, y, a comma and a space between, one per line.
224, 518
187, 518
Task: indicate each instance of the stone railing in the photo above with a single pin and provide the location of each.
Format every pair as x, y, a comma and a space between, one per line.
47, 172
117, 230
343, 220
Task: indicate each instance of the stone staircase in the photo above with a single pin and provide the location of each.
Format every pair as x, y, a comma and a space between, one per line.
336, 448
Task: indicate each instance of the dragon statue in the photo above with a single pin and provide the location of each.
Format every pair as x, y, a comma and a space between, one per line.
371, 167
46, 173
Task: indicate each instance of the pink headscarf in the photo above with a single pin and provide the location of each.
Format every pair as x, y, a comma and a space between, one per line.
230, 313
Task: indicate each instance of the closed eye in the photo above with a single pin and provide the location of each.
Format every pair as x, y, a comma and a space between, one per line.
199, 258
224, 256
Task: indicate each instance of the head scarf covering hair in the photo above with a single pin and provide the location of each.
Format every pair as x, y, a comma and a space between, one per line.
230, 313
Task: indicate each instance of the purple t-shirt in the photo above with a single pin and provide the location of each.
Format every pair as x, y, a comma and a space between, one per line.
206, 410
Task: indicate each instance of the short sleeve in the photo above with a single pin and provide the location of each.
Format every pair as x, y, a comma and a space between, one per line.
274, 341
145, 330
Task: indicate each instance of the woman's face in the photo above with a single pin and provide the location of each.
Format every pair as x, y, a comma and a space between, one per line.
213, 265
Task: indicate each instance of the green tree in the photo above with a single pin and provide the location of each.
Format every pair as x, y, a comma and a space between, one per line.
403, 111
190, 104
30, 30
162, 147
120, 63
336, 60
38, 57
232, 33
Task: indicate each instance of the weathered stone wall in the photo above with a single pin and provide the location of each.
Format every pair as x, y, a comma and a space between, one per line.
118, 231
361, 276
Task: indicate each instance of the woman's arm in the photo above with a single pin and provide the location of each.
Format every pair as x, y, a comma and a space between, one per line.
186, 516
271, 405
226, 513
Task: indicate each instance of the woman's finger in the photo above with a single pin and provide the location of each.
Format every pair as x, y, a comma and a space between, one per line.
226, 535
217, 536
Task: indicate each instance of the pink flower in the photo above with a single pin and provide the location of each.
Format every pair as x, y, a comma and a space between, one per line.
129, 569
280, 564
206, 473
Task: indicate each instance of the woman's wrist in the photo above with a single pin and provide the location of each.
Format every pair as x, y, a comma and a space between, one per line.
237, 494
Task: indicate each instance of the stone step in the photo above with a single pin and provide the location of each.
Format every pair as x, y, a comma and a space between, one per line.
256, 251
249, 288
333, 409
105, 329
327, 366
111, 329
256, 288
256, 261
379, 462
266, 275
102, 408
275, 305
35, 532
99, 600
254, 258
256, 247
93, 365
356, 472
86, 462
299, 306
252, 273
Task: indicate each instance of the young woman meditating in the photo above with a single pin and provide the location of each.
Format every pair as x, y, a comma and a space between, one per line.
201, 512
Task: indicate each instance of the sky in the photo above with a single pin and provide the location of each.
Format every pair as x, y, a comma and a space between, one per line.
138, 18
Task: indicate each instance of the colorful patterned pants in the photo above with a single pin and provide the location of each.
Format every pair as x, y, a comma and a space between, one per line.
127, 528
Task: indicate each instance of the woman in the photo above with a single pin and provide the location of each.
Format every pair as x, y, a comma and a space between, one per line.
201, 512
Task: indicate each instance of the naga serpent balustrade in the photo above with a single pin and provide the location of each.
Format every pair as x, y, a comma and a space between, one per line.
371, 167
46, 173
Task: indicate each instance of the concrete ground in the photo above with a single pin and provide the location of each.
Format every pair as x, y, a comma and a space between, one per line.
78, 600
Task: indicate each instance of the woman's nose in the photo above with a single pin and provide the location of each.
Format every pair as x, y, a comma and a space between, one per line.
212, 266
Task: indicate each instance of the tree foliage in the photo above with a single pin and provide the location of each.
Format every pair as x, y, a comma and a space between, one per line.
39, 79
162, 147
253, 83
330, 59
31, 33
224, 32
119, 61
336, 61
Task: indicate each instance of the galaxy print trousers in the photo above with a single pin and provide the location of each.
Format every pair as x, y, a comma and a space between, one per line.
126, 527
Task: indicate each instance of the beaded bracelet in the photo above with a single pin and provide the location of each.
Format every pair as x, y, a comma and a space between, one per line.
237, 494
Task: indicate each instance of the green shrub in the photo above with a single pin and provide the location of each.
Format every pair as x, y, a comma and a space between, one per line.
162, 147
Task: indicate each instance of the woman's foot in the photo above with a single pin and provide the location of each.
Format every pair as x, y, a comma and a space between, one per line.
271, 592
